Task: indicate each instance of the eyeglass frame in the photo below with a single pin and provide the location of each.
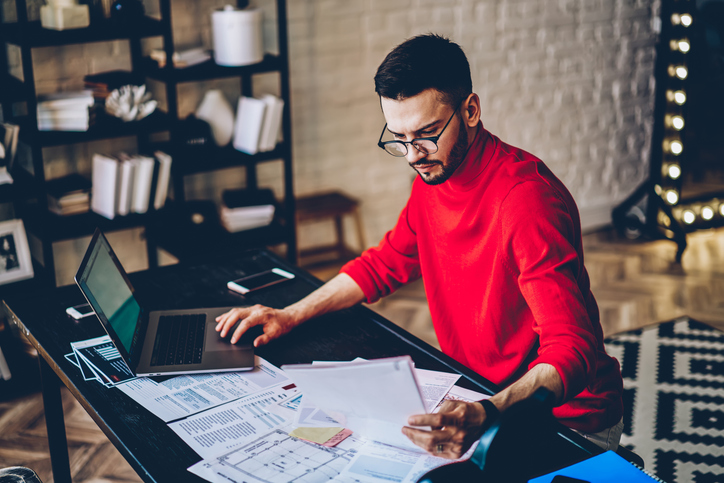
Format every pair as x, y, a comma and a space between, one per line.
434, 139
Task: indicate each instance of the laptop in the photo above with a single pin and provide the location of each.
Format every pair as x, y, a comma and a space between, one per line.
158, 342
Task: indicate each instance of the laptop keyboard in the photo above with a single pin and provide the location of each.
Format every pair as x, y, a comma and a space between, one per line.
179, 340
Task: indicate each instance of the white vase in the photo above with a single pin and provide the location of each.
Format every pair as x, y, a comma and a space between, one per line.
215, 110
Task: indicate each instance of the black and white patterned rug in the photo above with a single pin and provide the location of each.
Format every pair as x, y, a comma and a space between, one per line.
673, 377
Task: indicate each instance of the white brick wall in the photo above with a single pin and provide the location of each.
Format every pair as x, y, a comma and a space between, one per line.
569, 80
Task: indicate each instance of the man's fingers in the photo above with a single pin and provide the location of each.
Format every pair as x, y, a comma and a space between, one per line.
226, 321
245, 324
435, 420
427, 440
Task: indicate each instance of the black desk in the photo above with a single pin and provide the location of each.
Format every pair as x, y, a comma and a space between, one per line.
152, 449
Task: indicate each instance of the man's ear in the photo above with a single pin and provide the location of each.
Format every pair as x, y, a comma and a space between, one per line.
471, 110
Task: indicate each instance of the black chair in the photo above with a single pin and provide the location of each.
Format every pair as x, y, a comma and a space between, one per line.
18, 474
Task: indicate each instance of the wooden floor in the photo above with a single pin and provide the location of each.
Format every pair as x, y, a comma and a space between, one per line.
635, 283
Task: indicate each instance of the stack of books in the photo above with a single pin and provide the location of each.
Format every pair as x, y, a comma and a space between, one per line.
66, 111
258, 124
246, 209
69, 195
126, 184
103, 83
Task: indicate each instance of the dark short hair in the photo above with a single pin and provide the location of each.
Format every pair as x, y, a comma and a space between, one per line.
425, 62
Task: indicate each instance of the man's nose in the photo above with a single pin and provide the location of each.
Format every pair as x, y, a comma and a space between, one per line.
413, 154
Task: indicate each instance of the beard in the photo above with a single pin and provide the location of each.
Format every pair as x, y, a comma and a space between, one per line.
455, 159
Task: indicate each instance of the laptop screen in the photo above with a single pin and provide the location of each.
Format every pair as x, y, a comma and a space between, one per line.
107, 290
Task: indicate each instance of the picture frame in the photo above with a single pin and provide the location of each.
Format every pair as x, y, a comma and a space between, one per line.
15, 261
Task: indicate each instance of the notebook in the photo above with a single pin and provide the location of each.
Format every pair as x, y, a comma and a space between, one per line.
154, 342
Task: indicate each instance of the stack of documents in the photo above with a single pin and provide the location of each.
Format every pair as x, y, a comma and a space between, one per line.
275, 425
99, 360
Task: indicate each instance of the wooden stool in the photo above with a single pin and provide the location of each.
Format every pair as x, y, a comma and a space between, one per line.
330, 205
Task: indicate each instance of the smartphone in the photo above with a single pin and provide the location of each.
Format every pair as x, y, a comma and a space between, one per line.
259, 280
80, 311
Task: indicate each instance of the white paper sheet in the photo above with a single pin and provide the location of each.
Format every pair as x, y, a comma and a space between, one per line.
373, 398
238, 422
183, 396
277, 457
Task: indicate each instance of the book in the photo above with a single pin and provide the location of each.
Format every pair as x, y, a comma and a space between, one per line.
249, 121
602, 468
69, 195
9, 140
105, 184
272, 122
125, 185
164, 178
142, 181
64, 100
103, 83
246, 209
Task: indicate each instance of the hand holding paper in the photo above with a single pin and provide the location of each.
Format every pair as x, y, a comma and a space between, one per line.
455, 428
373, 398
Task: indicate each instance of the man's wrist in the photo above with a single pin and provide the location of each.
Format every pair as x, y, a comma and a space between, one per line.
491, 413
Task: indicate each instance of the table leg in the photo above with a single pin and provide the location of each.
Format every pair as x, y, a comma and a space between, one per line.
53, 405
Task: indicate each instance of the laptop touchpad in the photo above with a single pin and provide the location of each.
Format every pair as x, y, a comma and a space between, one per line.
214, 342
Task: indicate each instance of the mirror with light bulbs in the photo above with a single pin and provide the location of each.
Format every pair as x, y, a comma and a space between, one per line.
685, 188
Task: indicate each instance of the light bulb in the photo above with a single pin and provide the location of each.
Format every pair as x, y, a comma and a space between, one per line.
674, 171
689, 217
675, 19
707, 213
684, 46
672, 197
681, 72
721, 209
676, 147
679, 97
677, 122
685, 19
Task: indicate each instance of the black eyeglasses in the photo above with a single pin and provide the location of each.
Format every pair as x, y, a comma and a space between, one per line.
424, 145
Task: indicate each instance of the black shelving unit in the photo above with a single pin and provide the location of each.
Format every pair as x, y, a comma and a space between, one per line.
28, 192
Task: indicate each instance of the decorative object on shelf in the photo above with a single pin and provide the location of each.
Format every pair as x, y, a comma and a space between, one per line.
127, 11
215, 110
258, 123
194, 132
237, 36
64, 15
15, 262
130, 103
182, 58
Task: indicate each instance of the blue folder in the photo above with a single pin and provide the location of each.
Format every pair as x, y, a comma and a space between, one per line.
603, 468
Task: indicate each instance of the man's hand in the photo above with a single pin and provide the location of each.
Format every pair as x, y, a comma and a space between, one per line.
276, 323
454, 429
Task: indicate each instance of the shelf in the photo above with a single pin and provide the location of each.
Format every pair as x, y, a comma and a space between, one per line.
53, 227
208, 70
23, 186
105, 127
200, 160
13, 90
193, 229
34, 35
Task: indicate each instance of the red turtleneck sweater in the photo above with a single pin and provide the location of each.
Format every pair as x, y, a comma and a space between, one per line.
499, 249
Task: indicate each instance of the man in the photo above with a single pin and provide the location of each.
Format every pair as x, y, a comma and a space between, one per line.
497, 240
